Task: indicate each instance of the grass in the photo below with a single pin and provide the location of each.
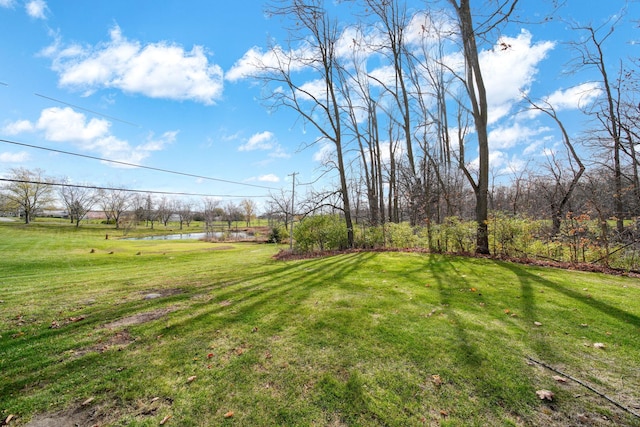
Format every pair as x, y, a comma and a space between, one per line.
395, 339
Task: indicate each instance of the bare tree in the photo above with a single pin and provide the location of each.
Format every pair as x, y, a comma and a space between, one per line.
184, 210
79, 200
590, 54
317, 35
477, 97
562, 194
164, 210
210, 211
114, 203
28, 191
249, 208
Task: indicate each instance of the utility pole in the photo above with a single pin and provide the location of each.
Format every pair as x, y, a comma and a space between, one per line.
293, 198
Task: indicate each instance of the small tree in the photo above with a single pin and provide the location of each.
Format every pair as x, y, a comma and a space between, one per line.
28, 191
79, 200
249, 207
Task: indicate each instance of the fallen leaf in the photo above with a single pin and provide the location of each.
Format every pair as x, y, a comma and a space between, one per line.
537, 323
545, 394
86, 402
584, 325
54, 324
444, 413
8, 419
507, 311
473, 289
436, 380
599, 345
191, 378
228, 414
209, 356
559, 379
165, 419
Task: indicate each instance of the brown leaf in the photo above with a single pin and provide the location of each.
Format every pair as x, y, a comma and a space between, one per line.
436, 380
86, 402
228, 414
559, 379
165, 419
545, 394
191, 378
8, 419
599, 345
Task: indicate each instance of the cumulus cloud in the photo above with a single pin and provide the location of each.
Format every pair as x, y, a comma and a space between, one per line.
7, 3
574, 97
65, 125
19, 126
265, 141
157, 70
19, 157
36, 9
508, 136
260, 141
509, 69
268, 178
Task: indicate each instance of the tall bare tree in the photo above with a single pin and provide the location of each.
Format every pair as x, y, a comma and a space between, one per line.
316, 35
477, 97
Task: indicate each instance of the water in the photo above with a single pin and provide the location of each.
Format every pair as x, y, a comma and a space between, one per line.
233, 235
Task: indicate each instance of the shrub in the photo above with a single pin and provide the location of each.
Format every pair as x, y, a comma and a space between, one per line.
400, 236
320, 232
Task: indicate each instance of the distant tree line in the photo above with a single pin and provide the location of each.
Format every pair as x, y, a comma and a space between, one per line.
28, 193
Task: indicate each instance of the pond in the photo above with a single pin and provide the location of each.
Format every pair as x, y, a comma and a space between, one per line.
232, 235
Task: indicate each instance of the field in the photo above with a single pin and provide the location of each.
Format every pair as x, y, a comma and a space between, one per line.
97, 331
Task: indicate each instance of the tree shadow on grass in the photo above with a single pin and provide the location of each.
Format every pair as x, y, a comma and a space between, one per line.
529, 279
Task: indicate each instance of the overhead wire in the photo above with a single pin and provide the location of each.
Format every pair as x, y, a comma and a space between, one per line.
135, 165
86, 109
94, 187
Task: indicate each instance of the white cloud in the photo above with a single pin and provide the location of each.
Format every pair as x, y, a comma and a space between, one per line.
509, 69
66, 125
7, 3
19, 126
256, 62
324, 153
574, 97
19, 157
157, 70
265, 141
504, 137
36, 9
260, 141
269, 178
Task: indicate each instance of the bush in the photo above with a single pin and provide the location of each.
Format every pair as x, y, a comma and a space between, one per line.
320, 232
400, 236
278, 234
370, 237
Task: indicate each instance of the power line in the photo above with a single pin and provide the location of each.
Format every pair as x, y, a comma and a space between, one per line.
135, 165
93, 187
86, 109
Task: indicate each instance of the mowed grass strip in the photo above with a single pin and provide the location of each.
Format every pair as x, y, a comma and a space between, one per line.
223, 334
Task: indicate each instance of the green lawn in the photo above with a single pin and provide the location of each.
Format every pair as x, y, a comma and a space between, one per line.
128, 333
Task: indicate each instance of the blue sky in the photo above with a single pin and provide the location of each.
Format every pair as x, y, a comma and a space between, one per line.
164, 84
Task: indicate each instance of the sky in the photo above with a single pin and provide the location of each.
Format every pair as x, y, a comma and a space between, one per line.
168, 85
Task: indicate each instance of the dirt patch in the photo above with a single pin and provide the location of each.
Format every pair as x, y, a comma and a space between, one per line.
139, 318
81, 416
118, 340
